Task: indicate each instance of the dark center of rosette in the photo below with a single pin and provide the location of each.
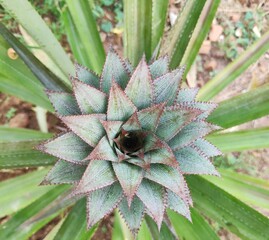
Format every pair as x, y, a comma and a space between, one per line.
130, 141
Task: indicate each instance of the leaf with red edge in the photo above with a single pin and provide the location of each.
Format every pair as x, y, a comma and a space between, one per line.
61, 145
190, 133
112, 129
130, 177
115, 69
168, 177
98, 174
132, 124
140, 88
177, 204
64, 172
132, 215
174, 119
167, 86
102, 202
149, 117
87, 76
103, 151
193, 162
153, 197
159, 67
206, 107
120, 107
187, 95
87, 127
89, 99
64, 103
206, 147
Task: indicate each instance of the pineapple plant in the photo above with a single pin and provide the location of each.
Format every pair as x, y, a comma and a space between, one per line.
136, 136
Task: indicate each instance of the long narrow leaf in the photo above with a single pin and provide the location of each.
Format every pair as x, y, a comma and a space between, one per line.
77, 47
228, 211
86, 27
241, 140
45, 76
75, 226
12, 229
198, 229
234, 69
137, 29
144, 233
25, 190
178, 38
248, 189
120, 229
34, 25
242, 108
199, 34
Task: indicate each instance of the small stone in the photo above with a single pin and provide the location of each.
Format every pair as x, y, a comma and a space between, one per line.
215, 33
211, 65
21, 120
205, 48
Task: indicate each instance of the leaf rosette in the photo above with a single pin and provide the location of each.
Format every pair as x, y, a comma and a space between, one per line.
133, 134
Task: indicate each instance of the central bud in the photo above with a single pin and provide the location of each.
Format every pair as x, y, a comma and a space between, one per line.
130, 141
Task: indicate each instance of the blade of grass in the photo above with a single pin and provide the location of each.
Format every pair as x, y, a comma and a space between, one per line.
234, 69
159, 13
53, 232
31, 21
242, 108
12, 229
137, 29
74, 40
75, 226
248, 189
25, 190
144, 233
175, 44
45, 76
241, 140
228, 211
198, 229
86, 27
199, 34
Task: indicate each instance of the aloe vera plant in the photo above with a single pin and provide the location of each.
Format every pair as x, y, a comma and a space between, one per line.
134, 138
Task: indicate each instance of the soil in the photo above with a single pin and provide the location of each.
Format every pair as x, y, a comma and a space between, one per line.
212, 59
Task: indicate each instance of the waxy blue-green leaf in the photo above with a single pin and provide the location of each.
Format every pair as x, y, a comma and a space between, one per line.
152, 196
178, 38
102, 202
25, 190
159, 67
241, 140
103, 151
242, 108
88, 34
120, 230
190, 133
114, 69
130, 177
89, 99
120, 107
64, 103
64, 172
61, 145
228, 211
166, 86
173, 119
198, 229
132, 214
40, 33
13, 228
178, 205
149, 117
98, 174
45, 76
168, 177
140, 87
87, 76
132, 124
74, 226
193, 162
186, 95
87, 127
112, 129
206, 147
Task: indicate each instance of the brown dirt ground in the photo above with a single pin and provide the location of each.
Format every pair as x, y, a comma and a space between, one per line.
214, 60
